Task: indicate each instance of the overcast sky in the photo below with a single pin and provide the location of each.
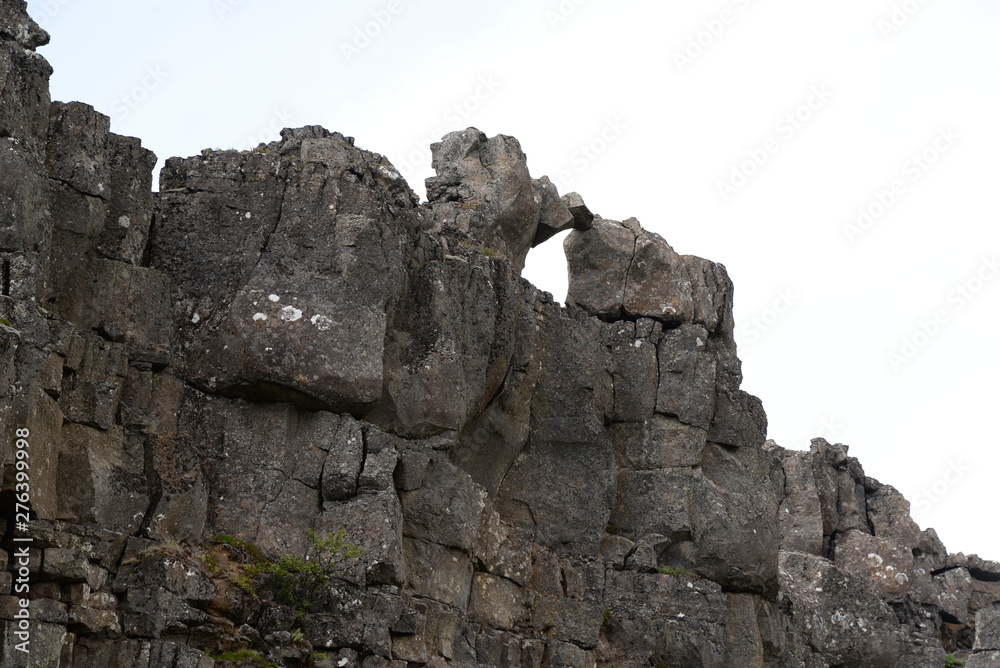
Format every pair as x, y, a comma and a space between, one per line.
840, 159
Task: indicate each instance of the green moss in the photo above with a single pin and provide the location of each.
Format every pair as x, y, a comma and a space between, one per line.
245, 551
951, 661
678, 571
212, 562
246, 656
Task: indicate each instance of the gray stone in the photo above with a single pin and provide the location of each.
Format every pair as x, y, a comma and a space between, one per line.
65, 565
619, 270
582, 217
848, 624
380, 458
990, 659
988, 628
633, 369
438, 572
100, 478
664, 619
503, 550
567, 619
687, 376
483, 188
345, 454
555, 215
884, 565
739, 418
599, 260
447, 509
660, 442
45, 649
450, 339
317, 314
800, 514
497, 601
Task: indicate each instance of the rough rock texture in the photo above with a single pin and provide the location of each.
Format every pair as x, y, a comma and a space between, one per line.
286, 340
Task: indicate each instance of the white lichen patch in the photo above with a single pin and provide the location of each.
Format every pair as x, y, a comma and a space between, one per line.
290, 314
322, 322
195, 318
274, 298
259, 316
247, 215
124, 221
391, 173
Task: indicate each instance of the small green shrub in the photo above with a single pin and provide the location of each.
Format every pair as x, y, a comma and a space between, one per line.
951, 661
298, 581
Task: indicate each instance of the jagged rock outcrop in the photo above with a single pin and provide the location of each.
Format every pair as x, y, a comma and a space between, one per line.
286, 340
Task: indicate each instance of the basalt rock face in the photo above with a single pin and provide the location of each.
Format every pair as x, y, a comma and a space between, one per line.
286, 340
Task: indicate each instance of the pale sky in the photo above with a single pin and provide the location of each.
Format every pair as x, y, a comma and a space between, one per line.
839, 159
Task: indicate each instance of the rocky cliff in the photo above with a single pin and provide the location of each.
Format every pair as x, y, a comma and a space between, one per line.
286, 340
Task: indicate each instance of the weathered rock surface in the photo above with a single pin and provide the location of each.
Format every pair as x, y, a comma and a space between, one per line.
286, 340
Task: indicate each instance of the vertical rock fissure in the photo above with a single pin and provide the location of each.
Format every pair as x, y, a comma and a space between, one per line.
364, 459
628, 271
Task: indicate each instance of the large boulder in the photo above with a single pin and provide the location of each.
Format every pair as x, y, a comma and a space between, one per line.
314, 234
839, 615
619, 270
483, 189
